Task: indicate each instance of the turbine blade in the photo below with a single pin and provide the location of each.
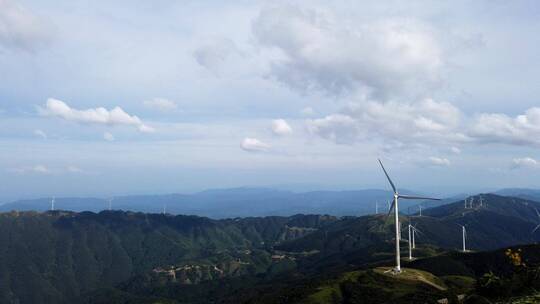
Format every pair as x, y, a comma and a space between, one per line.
391, 207
388, 177
535, 228
537, 213
418, 197
417, 230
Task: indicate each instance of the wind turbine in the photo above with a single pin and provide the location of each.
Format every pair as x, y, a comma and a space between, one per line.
414, 231
52, 204
394, 205
110, 203
412, 244
164, 208
376, 207
538, 226
420, 206
464, 234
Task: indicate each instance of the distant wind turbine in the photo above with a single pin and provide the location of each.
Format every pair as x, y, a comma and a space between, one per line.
52, 204
110, 203
412, 231
538, 226
395, 206
420, 206
464, 236
376, 207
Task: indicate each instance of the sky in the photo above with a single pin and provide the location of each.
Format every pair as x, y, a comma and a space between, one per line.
129, 97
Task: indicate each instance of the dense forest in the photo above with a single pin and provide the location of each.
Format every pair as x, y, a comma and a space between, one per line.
127, 257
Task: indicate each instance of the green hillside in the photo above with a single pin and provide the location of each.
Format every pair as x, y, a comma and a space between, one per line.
61, 257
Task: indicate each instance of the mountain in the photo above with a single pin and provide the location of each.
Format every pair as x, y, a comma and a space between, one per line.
133, 257
228, 203
530, 194
55, 257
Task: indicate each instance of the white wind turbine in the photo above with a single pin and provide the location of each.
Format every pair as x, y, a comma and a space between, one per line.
376, 207
110, 203
538, 226
412, 245
464, 236
52, 204
394, 205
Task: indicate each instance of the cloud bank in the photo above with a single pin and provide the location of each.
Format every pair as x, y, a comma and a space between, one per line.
380, 58
20, 28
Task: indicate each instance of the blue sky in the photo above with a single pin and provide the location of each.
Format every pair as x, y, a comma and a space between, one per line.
101, 98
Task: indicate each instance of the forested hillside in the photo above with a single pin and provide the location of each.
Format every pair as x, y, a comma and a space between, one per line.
61, 257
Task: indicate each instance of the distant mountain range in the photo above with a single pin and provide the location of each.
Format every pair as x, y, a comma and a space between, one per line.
230, 203
127, 257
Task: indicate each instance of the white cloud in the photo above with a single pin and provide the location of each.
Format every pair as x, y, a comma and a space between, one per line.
146, 129
382, 58
40, 133
39, 169
281, 127
438, 161
161, 104
254, 145
426, 121
525, 162
20, 28
116, 116
523, 129
455, 150
108, 136
74, 169
214, 53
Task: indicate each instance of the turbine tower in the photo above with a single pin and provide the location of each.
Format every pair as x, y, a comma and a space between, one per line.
420, 206
413, 240
376, 207
110, 203
410, 244
52, 204
464, 235
395, 206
